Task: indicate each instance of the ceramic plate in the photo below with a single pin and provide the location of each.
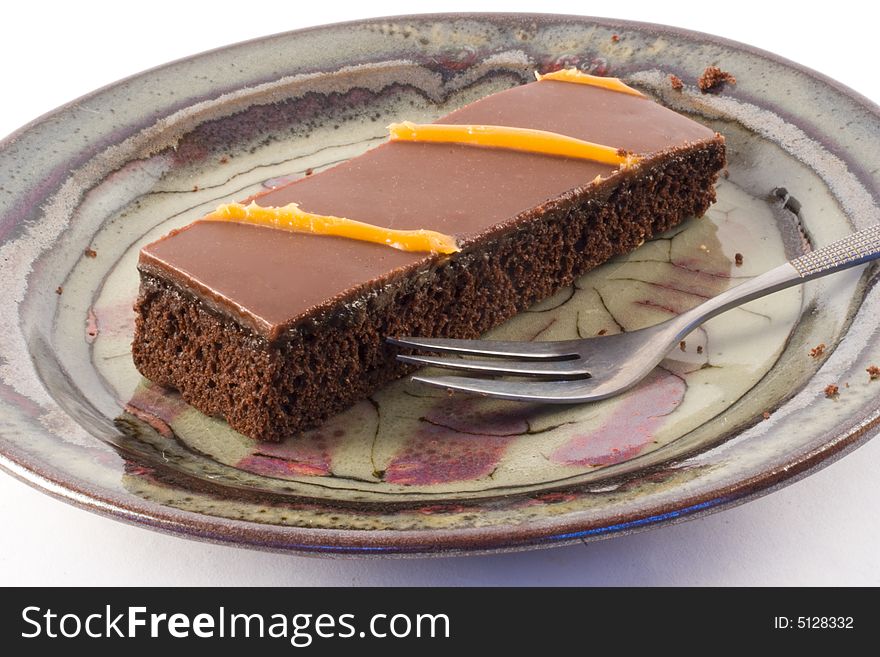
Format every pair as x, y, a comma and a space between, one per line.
739, 409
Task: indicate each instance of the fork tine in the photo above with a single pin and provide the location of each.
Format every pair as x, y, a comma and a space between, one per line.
555, 350
555, 368
552, 392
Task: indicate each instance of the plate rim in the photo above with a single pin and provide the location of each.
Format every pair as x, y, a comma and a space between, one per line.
440, 542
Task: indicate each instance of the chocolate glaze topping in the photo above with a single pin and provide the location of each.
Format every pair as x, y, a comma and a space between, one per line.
267, 279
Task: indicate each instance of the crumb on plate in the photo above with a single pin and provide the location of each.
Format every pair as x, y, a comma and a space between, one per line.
714, 79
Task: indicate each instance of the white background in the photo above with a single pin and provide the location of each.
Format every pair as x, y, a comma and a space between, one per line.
822, 530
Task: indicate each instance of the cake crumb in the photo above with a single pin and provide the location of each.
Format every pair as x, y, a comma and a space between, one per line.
309, 171
90, 253
766, 415
676, 82
224, 159
832, 391
682, 345
195, 188
818, 350
699, 348
59, 290
615, 38
873, 372
602, 332
714, 79
738, 259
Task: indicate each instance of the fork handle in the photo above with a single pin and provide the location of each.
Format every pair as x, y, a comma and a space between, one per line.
853, 250
856, 249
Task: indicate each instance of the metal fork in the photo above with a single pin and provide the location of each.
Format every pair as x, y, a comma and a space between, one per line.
595, 368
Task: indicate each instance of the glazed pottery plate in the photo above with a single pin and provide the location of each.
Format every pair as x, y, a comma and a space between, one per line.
738, 409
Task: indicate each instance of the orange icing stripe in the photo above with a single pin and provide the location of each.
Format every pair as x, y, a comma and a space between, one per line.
576, 76
290, 217
519, 139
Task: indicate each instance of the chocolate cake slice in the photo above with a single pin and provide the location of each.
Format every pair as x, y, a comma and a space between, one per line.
276, 330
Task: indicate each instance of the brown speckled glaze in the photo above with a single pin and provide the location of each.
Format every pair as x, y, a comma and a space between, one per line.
410, 471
